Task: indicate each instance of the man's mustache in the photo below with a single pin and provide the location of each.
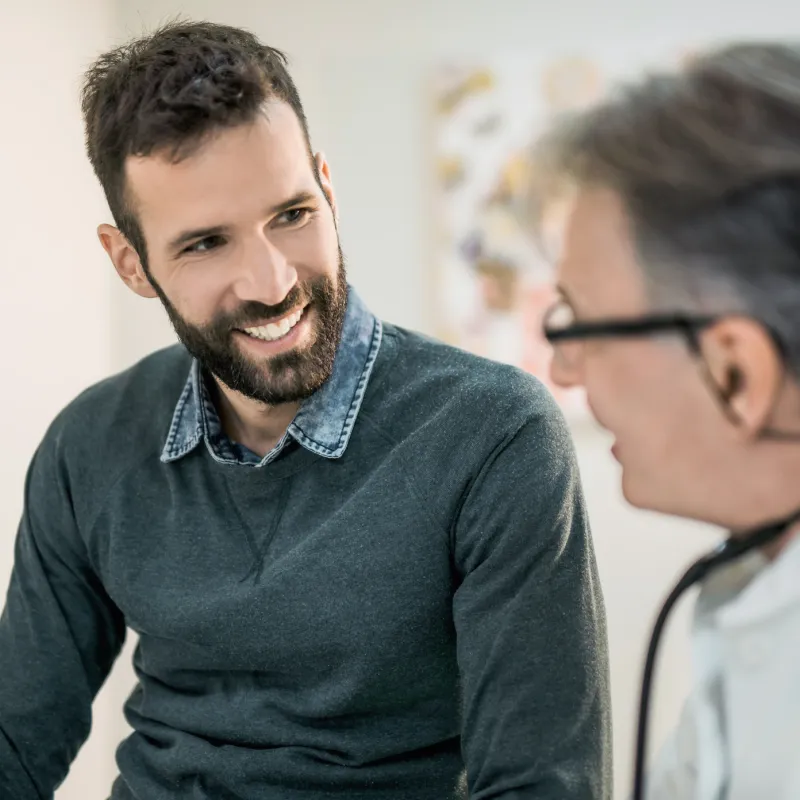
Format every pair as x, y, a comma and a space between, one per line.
253, 312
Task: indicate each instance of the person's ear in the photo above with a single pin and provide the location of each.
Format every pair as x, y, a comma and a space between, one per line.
324, 173
126, 260
745, 364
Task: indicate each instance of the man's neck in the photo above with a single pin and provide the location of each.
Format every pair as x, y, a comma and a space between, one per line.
774, 549
256, 426
766, 493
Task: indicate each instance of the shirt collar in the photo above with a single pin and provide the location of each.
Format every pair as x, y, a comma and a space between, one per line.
752, 589
323, 423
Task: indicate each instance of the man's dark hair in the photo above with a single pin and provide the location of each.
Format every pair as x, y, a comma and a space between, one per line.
167, 92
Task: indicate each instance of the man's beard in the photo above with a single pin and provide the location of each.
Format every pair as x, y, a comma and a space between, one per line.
284, 378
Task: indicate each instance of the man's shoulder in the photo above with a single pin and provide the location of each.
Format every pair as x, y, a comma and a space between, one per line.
438, 373
447, 415
132, 408
445, 402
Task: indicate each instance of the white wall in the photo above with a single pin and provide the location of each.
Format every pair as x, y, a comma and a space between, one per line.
361, 66
53, 284
55, 314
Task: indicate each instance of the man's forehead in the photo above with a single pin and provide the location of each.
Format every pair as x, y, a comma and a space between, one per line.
264, 162
595, 215
553, 221
597, 256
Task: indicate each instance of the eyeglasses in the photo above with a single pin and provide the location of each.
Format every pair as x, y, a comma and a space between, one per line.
566, 335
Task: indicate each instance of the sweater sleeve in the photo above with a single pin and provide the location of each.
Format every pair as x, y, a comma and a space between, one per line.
530, 623
59, 636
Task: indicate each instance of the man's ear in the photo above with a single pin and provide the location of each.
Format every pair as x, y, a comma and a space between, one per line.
126, 260
324, 172
745, 364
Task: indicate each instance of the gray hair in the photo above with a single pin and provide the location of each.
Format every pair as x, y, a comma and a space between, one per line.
707, 163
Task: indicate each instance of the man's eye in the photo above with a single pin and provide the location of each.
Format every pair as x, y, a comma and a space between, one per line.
294, 215
205, 245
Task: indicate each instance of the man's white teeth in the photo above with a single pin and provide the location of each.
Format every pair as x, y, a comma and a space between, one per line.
276, 330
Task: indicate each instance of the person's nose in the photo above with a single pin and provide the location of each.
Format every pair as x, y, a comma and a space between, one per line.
266, 275
565, 366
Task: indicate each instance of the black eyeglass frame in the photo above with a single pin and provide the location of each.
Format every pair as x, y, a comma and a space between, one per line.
687, 325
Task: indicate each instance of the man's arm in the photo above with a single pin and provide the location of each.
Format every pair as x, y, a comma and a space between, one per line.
59, 636
531, 625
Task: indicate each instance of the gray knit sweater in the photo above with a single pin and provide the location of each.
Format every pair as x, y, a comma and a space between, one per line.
418, 617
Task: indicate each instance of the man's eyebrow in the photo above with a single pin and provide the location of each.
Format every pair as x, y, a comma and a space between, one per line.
299, 199
185, 237
195, 235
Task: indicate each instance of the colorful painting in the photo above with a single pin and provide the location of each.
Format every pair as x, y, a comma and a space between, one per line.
493, 284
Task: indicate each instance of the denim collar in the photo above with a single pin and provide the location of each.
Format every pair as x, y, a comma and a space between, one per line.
323, 423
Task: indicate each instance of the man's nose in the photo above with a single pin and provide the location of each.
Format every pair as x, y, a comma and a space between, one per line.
266, 275
565, 372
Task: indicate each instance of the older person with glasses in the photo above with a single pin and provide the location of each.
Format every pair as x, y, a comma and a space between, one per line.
679, 312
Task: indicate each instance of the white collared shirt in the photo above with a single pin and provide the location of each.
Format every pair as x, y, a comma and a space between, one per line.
739, 734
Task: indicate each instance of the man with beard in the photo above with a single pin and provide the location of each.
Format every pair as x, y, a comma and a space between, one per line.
357, 560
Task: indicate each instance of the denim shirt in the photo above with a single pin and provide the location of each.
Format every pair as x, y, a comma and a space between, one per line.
324, 421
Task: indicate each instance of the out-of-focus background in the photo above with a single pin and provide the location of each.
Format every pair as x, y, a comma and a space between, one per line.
423, 108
